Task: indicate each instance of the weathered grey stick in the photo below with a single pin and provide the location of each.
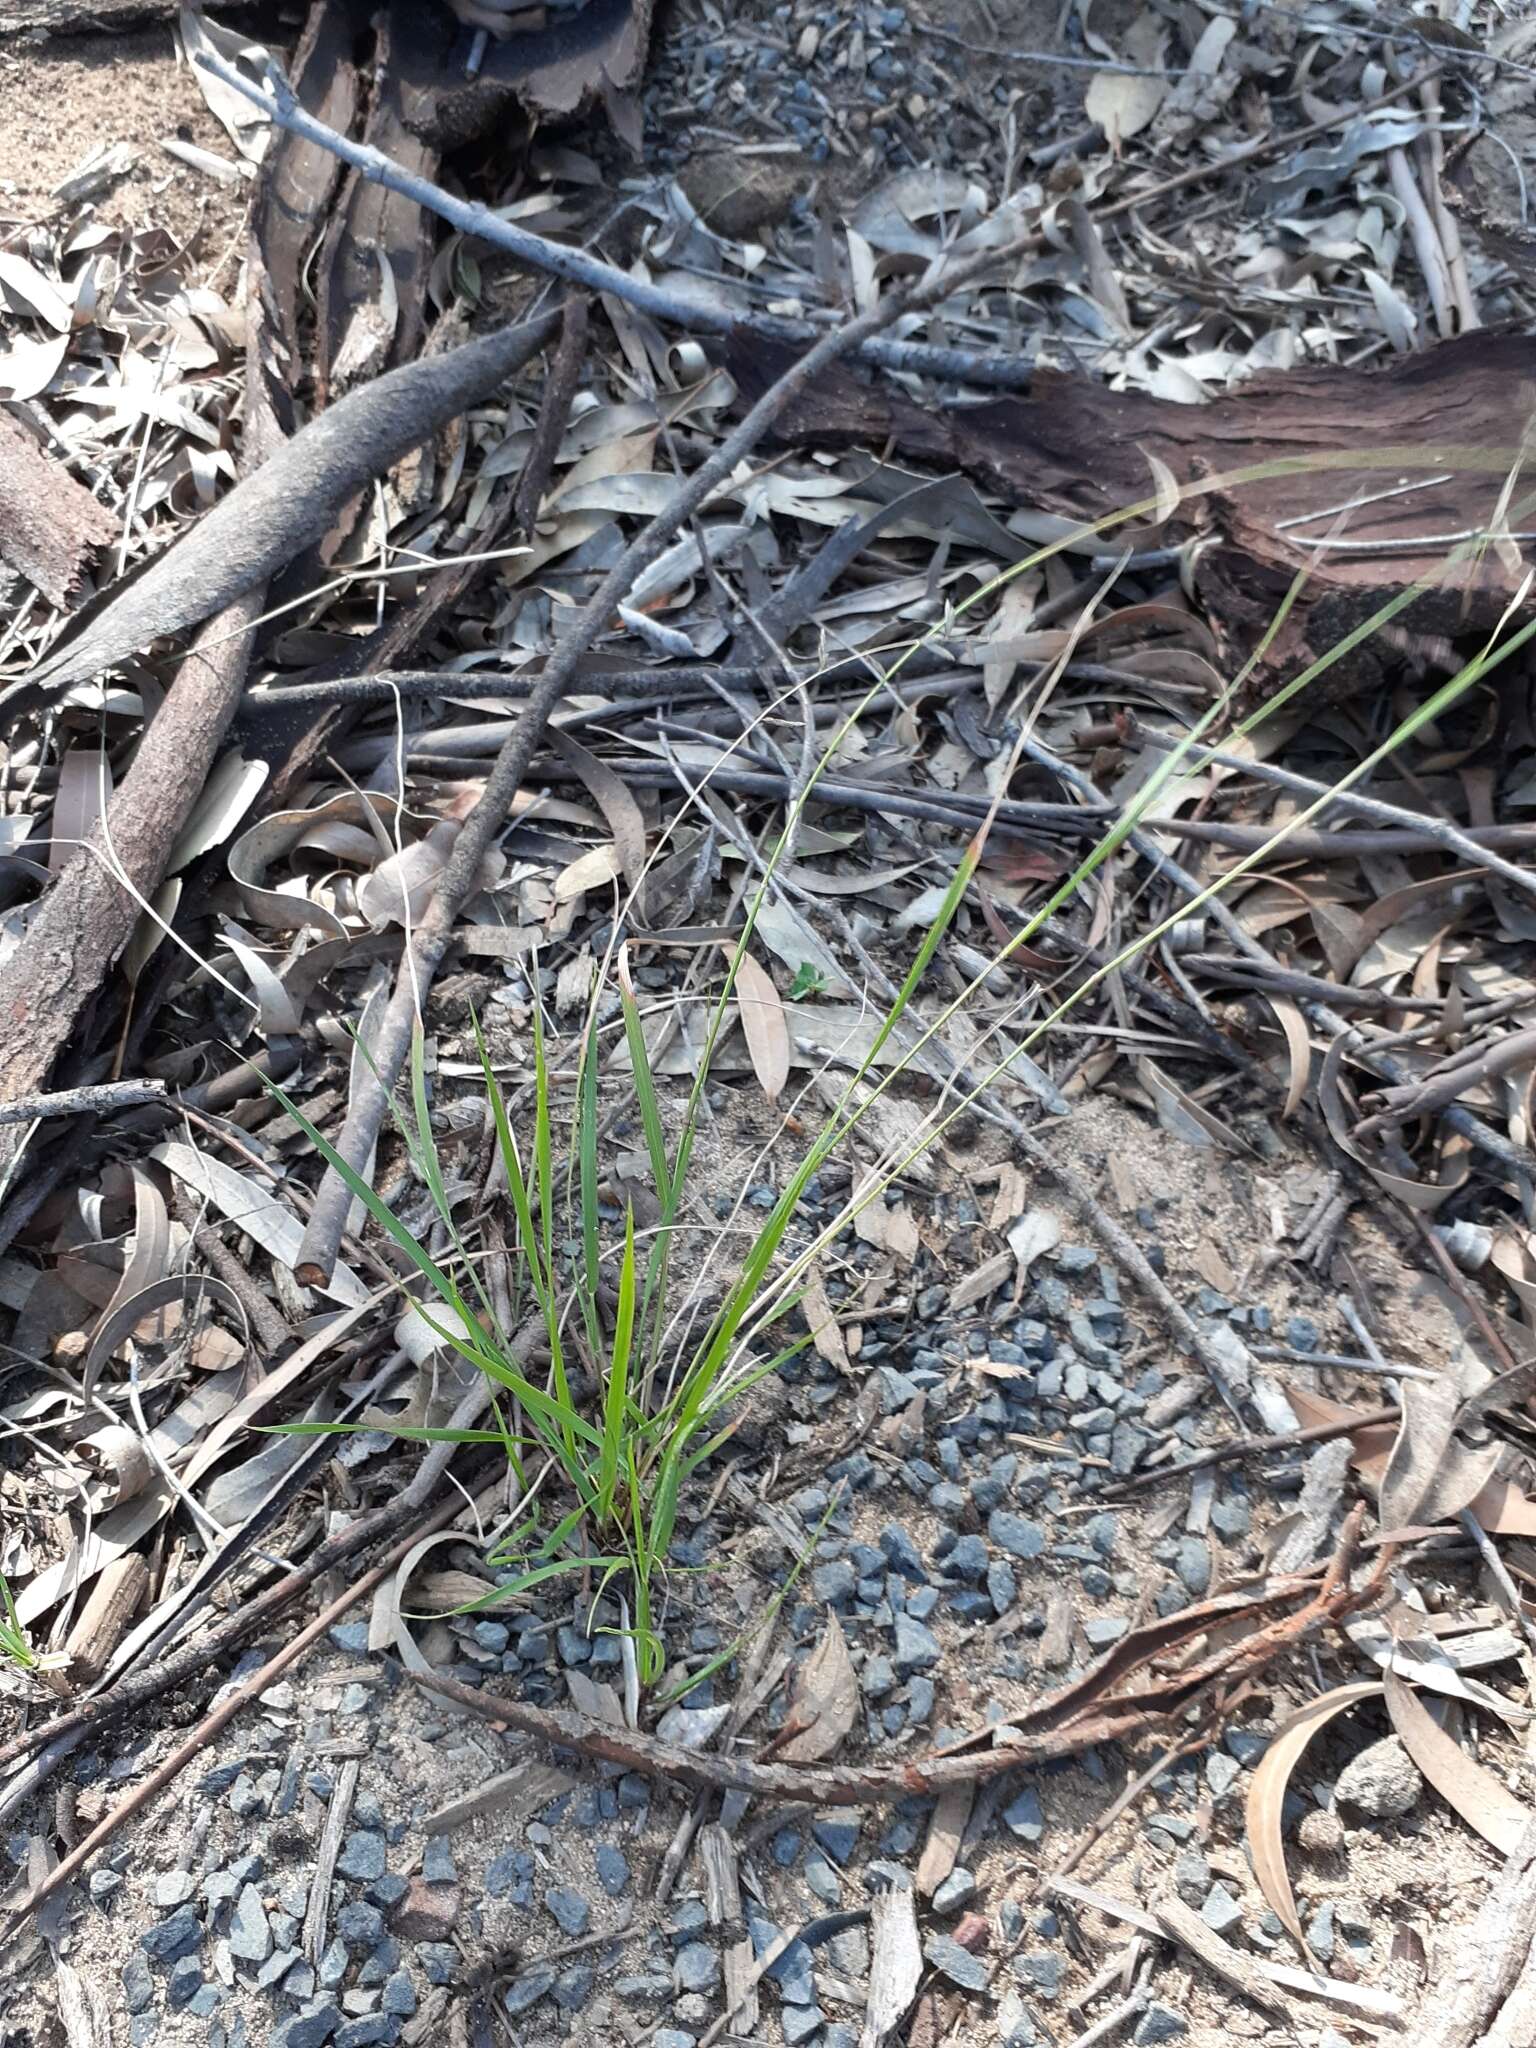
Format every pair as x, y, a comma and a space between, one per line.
1477, 847
292, 500
994, 370
82, 1101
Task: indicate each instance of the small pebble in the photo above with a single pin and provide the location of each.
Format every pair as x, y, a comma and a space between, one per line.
917, 1648
399, 1996
173, 1938
1192, 1562
527, 1988
1041, 1969
1220, 1911
362, 1856
1221, 1773
1104, 1630
901, 1554
574, 1986
1192, 1877
1320, 1935
138, 1985
956, 1891
966, 1558
1158, 2023
185, 1982
308, 2029
696, 1967
250, 1932
1020, 1538
1321, 1832
1024, 1817
1382, 1782
570, 1909
368, 2030
835, 1584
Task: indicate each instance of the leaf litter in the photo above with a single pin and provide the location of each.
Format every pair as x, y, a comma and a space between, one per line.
1334, 1003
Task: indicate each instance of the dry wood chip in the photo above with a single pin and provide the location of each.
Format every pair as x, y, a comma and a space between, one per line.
49, 524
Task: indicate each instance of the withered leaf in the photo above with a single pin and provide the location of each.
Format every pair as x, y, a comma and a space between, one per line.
1431, 1474
1477, 1795
823, 1700
763, 1024
1266, 1795
821, 1320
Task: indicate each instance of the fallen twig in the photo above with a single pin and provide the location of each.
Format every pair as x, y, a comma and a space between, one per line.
1253, 1447
1472, 1067
1306, 844
578, 267
554, 413
1078, 1716
99, 1101
86, 919
1239, 1971
1118, 2016
1479, 847
1359, 1998
1348, 1038
272, 1331
220, 568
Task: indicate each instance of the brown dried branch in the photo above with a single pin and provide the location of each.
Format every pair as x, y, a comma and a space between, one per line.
1078, 1716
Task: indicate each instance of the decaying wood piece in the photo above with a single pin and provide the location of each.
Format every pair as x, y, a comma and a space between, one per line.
364, 324
299, 178
87, 917
104, 1619
594, 54
1487, 1992
1219, 1957
50, 525
1431, 439
338, 1818
722, 1902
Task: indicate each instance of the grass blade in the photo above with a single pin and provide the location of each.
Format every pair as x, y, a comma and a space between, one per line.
616, 1403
